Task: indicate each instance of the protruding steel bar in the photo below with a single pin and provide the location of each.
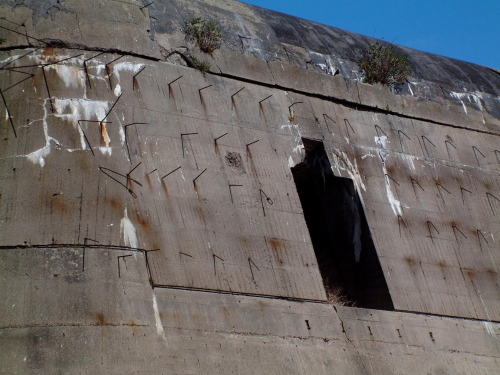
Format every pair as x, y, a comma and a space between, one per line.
269, 200
129, 179
236, 93
47, 87
170, 84
478, 231
44, 65
347, 122
325, 116
429, 223
19, 58
449, 143
103, 170
182, 141
135, 75
267, 97
216, 139
247, 146
251, 143
230, 191
108, 72
218, 257
126, 139
21, 81
424, 138
124, 261
194, 180
397, 183
199, 92
250, 262
85, 135
401, 220
113, 106
26, 35
474, 148
488, 195
290, 110
169, 173
180, 252
8, 114
438, 186
413, 181
85, 67
496, 154
455, 230
400, 140
145, 6
462, 192
377, 129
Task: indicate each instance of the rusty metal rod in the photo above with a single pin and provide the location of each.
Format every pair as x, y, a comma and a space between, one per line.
474, 148
19, 58
231, 193
169, 173
216, 139
194, 180
85, 68
8, 114
347, 122
267, 97
108, 72
377, 128
182, 141
135, 75
17, 83
113, 106
400, 140
47, 87
126, 139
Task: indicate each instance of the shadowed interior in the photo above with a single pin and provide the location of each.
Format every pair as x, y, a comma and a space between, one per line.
341, 238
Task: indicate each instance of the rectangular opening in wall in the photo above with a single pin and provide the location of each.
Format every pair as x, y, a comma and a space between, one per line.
341, 238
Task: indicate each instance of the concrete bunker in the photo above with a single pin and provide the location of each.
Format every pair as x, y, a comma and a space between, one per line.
346, 254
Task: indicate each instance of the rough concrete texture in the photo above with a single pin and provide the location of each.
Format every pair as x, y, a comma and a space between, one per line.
149, 220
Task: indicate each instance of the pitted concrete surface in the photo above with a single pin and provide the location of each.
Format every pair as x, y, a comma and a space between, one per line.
149, 219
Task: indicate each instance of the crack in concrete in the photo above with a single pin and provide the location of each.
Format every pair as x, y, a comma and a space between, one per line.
348, 339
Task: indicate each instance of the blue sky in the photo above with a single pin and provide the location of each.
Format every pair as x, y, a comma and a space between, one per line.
465, 30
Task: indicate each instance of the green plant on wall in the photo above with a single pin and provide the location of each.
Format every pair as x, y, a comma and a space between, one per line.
205, 34
202, 66
382, 64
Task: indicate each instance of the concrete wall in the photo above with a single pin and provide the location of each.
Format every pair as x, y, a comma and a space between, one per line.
115, 260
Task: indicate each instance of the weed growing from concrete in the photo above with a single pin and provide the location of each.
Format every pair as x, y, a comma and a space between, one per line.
205, 34
382, 64
202, 66
335, 294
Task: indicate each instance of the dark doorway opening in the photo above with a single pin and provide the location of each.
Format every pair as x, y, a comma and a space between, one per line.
341, 238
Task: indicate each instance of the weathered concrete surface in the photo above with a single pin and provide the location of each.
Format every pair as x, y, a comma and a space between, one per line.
220, 256
99, 321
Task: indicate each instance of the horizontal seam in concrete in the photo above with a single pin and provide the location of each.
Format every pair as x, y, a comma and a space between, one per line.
73, 325
242, 333
77, 245
347, 103
253, 334
215, 291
